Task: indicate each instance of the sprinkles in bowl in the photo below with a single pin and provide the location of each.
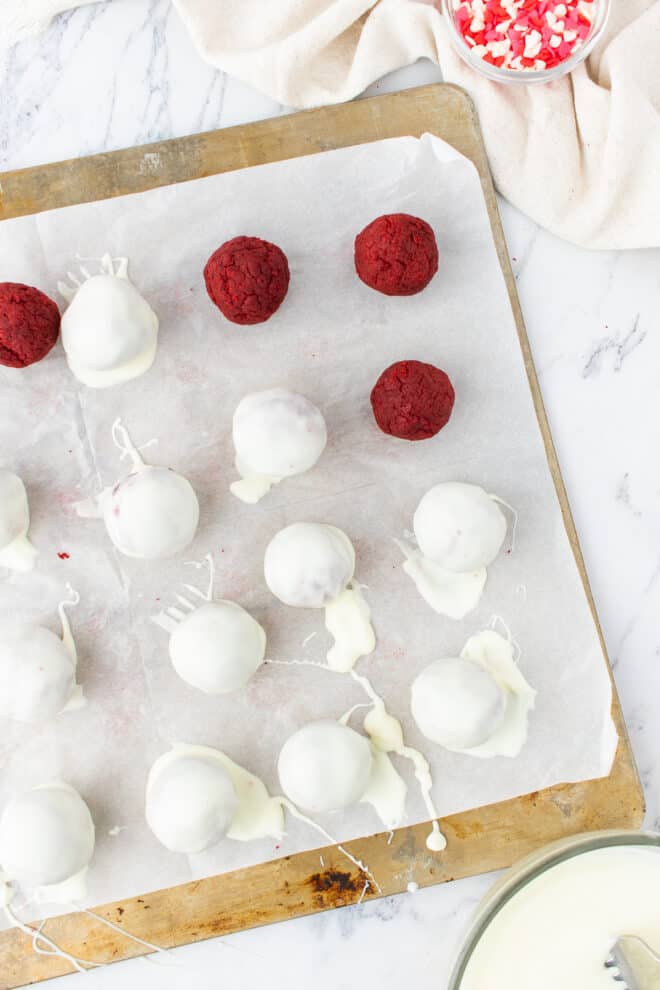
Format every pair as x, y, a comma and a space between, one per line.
525, 36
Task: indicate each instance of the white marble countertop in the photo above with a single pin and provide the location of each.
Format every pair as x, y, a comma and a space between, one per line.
125, 73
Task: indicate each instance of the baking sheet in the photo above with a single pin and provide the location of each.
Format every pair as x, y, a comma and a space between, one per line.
330, 340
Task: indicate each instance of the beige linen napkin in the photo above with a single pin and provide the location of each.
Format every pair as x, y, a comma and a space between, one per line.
21, 18
581, 156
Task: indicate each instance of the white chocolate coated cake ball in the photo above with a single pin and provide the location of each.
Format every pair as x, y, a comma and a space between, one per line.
109, 332
457, 703
308, 565
276, 434
37, 673
46, 836
153, 513
325, 766
190, 800
218, 647
459, 526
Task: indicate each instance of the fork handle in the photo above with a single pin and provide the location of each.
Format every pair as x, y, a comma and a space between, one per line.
643, 963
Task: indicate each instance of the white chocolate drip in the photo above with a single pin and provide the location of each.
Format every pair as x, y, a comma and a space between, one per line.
252, 487
448, 593
76, 698
386, 733
16, 551
384, 791
346, 717
435, 840
19, 555
312, 565
348, 620
72, 889
514, 517
478, 703
496, 655
67, 635
459, 531
258, 813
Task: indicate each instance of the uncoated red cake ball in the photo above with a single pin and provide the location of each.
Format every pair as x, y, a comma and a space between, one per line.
396, 254
247, 279
412, 400
29, 324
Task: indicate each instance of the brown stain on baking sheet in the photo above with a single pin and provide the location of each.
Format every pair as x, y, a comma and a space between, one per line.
467, 830
335, 888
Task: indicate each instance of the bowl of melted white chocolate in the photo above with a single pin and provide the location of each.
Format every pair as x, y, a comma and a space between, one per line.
552, 920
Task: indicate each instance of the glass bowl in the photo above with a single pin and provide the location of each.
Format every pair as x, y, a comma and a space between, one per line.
526, 76
529, 869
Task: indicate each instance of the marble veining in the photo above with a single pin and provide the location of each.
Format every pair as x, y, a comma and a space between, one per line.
125, 72
618, 346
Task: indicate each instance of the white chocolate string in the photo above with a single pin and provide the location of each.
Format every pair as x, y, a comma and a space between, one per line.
106, 264
497, 620
122, 931
209, 562
169, 618
326, 835
122, 441
44, 945
67, 635
514, 513
51, 947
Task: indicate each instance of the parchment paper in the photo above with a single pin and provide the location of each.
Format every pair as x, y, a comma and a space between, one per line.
330, 340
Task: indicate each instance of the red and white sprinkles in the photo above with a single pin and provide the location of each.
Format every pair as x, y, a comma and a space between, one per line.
524, 34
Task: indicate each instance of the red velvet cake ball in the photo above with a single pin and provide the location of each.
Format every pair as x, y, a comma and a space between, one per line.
396, 254
247, 279
412, 400
29, 324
